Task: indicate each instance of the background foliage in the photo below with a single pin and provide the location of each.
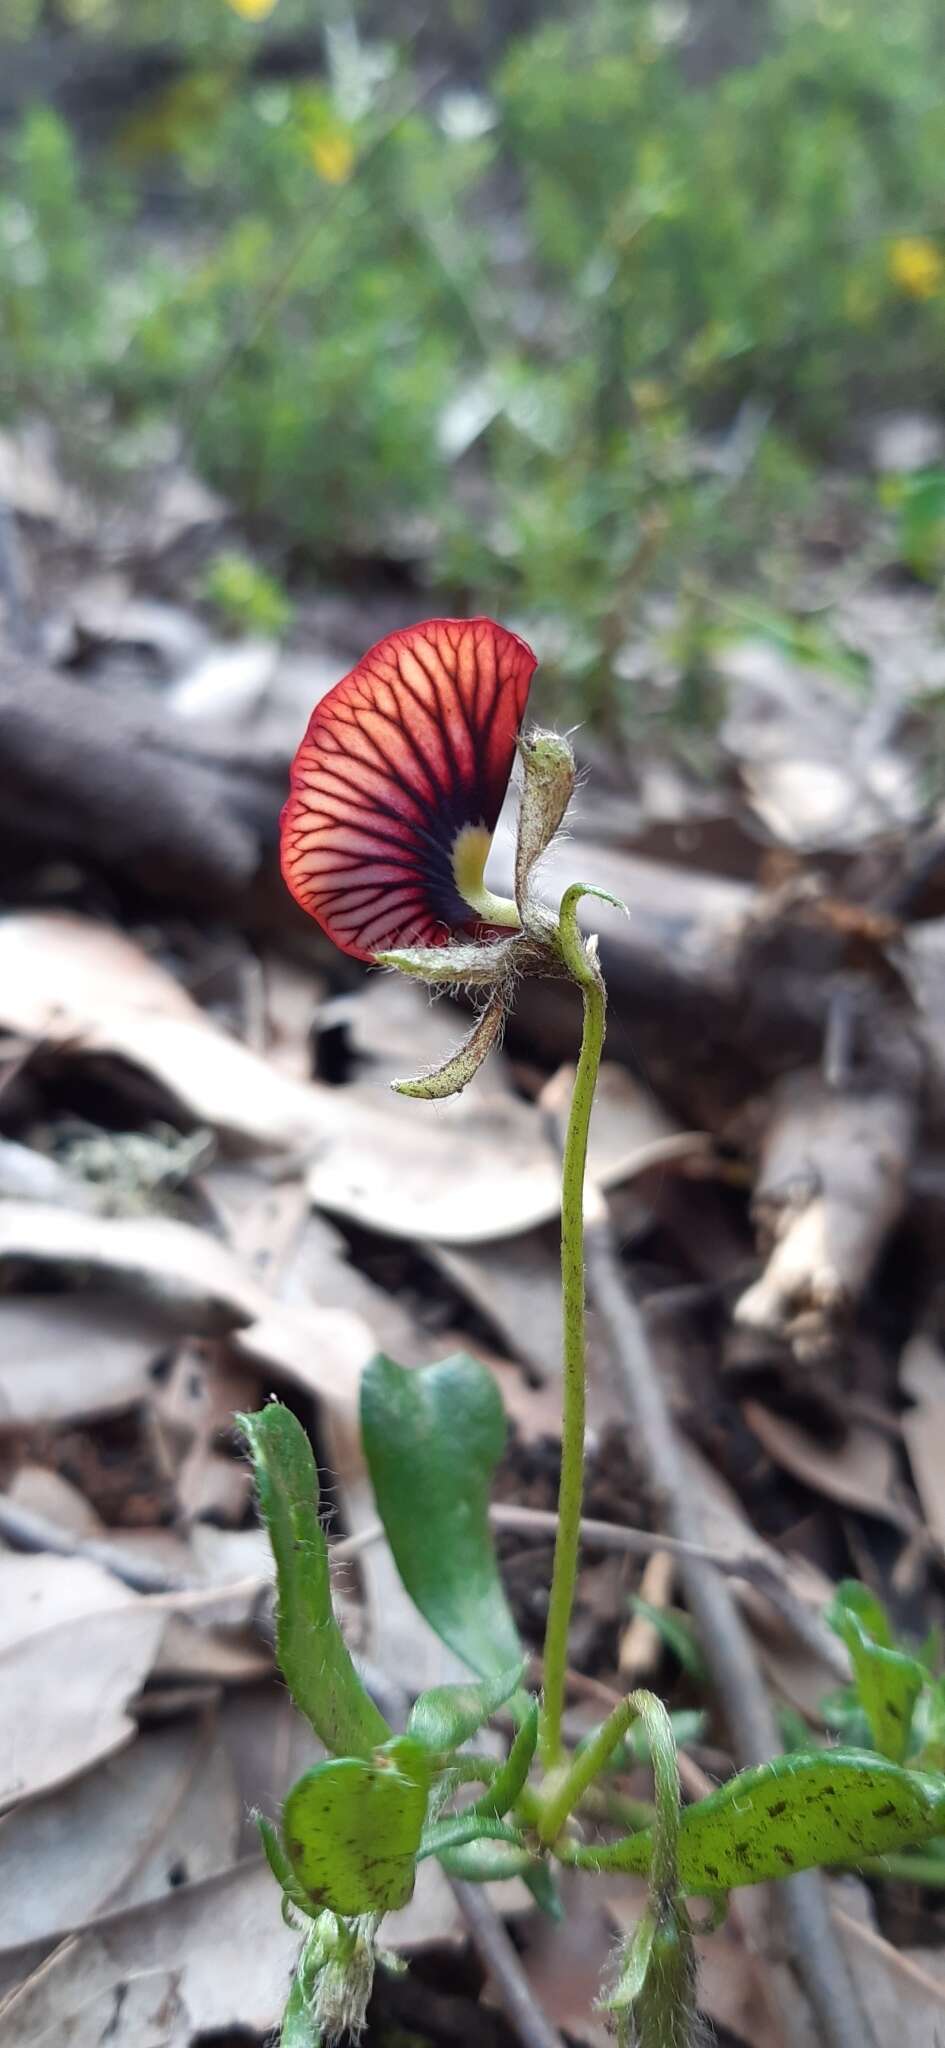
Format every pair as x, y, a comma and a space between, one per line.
589, 323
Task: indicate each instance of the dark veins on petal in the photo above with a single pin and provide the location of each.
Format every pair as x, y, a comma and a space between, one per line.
411, 747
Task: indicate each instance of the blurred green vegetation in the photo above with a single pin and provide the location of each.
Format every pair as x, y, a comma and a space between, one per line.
245, 598
580, 329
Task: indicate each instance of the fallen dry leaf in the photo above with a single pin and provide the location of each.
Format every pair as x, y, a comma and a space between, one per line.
64, 1360
641, 1646
923, 1430
73, 982
193, 1410
397, 1638
269, 1744
40, 1491
460, 1172
922, 1375
325, 1351
205, 1958
162, 1813
214, 1656
38, 1593
183, 1271
859, 1472
378, 1159
64, 1692
566, 1963
516, 1284
903, 1994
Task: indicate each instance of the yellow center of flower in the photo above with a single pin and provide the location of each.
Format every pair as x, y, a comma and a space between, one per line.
470, 853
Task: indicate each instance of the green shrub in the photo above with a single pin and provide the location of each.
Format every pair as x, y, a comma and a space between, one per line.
246, 598
599, 337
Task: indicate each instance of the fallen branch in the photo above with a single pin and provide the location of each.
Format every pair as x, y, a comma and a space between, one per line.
832, 1183
765, 1572
23, 1530
89, 776
725, 1641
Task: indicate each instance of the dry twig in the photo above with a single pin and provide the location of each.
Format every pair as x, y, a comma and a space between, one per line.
725, 1641
496, 1950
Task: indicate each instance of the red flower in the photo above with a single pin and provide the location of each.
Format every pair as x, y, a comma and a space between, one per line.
398, 784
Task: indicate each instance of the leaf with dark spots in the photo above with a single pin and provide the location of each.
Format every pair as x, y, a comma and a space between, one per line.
835, 1807
888, 1681
352, 1830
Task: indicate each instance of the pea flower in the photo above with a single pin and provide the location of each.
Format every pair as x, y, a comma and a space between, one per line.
395, 794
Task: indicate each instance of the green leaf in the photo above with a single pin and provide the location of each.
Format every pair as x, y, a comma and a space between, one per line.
835, 1807
505, 1787
312, 1652
828, 1807
932, 1650
432, 1439
796, 1734
843, 1714
676, 1631
921, 504
852, 1597
657, 1982
282, 1869
928, 1725
446, 1717
632, 1977
352, 1831
888, 1681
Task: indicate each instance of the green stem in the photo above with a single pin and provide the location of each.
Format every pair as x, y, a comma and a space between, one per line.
566, 1792
568, 1788
582, 966
459, 1828
633, 1853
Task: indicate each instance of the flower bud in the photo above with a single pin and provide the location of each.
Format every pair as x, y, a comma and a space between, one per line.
548, 785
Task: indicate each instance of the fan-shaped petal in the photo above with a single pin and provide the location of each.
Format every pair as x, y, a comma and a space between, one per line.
410, 750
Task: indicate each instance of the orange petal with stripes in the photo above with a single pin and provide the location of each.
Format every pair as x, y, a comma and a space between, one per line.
400, 758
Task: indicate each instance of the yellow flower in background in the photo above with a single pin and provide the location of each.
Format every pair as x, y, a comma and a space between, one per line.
253, 10
916, 265
332, 153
